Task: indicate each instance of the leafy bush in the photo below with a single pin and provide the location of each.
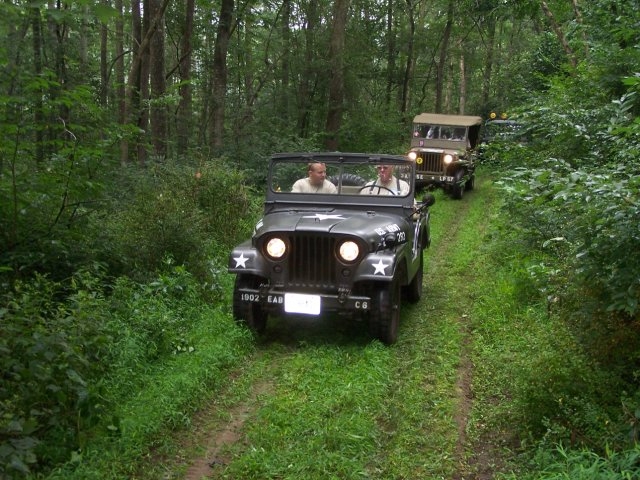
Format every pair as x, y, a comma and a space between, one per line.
589, 220
177, 211
48, 352
70, 354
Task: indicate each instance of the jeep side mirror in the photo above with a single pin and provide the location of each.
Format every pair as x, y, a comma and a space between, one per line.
428, 200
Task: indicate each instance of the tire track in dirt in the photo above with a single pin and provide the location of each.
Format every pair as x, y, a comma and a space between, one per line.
217, 437
440, 254
470, 459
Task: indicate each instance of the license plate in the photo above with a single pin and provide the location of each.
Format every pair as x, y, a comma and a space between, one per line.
301, 303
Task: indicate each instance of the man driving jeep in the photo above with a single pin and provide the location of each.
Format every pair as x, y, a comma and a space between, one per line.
386, 183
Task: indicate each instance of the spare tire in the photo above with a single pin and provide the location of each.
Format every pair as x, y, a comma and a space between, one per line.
348, 180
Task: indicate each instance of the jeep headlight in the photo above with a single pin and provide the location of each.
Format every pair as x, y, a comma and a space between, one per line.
276, 248
412, 156
349, 251
448, 158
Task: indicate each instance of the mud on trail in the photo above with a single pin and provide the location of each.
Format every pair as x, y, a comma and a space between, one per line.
305, 384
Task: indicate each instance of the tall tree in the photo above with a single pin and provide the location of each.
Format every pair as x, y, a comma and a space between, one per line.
411, 61
137, 83
442, 61
157, 72
336, 73
36, 26
185, 107
571, 57
220, 73
306, 91
285, 60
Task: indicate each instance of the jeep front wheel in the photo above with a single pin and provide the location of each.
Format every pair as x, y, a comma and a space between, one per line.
385, 314
470, 183
246, 313
414, 289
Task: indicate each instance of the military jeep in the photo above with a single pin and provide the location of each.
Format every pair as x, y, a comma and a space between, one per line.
444, 148
355, 253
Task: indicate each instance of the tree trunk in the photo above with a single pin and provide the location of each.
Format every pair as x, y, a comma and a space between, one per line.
308, 72
285, 62
104, 65
391, 53
38, 116
488, 63
183, 128
220, 73
559, 34
158, 111
410, 66
336, 73
134, 84
442, 62
119, 64
462, 105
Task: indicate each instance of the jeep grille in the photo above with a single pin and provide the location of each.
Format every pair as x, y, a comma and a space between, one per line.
431, 162
312, 263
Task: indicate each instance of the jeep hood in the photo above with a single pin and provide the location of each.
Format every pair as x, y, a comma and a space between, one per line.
364, 224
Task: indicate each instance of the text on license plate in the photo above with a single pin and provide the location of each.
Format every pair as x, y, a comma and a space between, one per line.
301, 303
442, 178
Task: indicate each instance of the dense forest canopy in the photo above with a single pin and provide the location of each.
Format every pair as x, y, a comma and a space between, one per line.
173, 76
134, 136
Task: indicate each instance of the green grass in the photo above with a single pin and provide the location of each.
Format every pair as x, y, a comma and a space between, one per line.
168, 397
322, 400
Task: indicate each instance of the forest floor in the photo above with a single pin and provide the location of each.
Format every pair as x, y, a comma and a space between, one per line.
322, 400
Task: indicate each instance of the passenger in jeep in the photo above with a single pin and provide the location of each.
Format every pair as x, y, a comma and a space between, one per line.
386, 183
316, 182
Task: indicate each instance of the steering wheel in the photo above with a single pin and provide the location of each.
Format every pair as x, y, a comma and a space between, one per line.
378, 187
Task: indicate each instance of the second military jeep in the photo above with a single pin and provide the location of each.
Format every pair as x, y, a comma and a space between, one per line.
353, 251
444, 148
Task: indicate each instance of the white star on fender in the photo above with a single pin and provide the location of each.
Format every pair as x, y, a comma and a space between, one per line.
380, 268
241, 261
322, 216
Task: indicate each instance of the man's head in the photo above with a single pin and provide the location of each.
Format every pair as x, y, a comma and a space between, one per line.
385, 172
317, 173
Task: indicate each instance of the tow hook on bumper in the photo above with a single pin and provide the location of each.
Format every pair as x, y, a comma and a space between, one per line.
343, 294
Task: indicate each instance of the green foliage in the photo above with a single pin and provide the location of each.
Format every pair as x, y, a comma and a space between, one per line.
589, 222
173, 210
572, 464
70, 355
49, 351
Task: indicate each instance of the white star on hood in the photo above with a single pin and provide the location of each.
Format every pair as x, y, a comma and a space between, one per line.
380, 268
322, 216
241, 261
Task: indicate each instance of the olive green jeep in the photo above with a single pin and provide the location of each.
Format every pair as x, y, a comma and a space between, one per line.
444, 148
343, 244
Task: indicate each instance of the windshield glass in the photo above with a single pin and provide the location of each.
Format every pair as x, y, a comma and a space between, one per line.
340, 177
439, 132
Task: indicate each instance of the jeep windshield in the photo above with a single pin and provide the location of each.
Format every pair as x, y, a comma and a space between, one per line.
316, 176
440, 132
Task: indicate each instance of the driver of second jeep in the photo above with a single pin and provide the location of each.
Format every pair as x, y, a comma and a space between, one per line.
386, 183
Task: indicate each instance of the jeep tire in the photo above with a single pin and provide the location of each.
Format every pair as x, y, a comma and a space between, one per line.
414, 289
250, 314
470, 183
385, 314
457, 188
